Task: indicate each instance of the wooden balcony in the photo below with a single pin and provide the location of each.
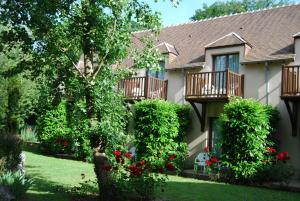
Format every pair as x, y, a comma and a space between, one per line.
213, 86
138, 88
290, 85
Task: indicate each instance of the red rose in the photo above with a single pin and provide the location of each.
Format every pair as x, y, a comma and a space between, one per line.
135, 170
142, 162
161, 170
172, 157
206, 149
117, 153
271, 150
207, 162
214, 159
170, 167
128, 155
66, 143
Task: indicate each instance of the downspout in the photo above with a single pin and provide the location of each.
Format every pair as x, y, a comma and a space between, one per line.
267, 72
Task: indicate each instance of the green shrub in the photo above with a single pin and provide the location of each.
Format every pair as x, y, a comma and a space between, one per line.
53, 132
10, 150
157, 127
160, 141
246, 127
16, 183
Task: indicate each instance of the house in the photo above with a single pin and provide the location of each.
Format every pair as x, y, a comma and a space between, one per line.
252, 55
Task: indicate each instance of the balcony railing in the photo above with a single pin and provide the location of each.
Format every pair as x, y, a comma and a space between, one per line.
137, 88
290, 81
214, 85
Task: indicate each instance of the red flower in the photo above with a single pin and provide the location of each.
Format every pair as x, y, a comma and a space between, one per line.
161, 170
172, 157
271, 150
117, 153
214, 159
283, 156
128, 155
135, 170
207, 162
66, 143
170, 167
206, 149
142, 162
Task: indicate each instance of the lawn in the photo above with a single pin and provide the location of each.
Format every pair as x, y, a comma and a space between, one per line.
53, 177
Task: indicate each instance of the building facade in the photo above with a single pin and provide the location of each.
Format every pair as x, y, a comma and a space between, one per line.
252, 55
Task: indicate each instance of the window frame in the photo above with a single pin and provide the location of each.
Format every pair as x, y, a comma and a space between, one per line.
227, 59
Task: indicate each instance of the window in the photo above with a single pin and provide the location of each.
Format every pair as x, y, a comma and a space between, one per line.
158, 74
228, 61
214, 136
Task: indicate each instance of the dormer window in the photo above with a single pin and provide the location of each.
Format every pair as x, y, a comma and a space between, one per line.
227, 61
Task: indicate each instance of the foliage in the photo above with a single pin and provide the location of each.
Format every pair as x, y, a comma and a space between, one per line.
28, 134
156, 132
137, 179
213, 165
96, 33
220, 8
245, 128
10, 150
16, 183
17, 93
52, 130
275, 168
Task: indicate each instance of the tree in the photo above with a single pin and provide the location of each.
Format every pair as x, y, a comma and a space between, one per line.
98, 33
220, 8
13, 98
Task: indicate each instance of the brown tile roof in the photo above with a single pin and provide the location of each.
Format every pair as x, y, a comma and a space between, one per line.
270, 33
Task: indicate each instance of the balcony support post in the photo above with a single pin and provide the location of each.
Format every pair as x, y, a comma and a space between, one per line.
293, 114
227, 82
201, 116
146, 90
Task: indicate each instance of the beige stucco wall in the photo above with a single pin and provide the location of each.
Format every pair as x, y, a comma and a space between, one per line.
297, 51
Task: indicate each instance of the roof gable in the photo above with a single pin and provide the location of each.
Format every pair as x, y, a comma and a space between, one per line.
230, 39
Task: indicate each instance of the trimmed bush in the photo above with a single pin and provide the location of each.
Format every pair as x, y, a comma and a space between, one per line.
160, 131
10, 150
53, 132
246, 127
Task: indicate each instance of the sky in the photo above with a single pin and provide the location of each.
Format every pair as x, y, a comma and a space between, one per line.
183, 12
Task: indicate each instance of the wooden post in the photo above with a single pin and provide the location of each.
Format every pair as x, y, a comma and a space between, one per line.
282, 80
146, 90
242, 85
227, 82
166, 89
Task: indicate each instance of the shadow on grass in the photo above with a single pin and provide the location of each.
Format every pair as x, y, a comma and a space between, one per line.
45, 190
211, 191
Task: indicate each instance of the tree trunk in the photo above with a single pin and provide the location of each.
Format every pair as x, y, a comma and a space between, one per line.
104, 182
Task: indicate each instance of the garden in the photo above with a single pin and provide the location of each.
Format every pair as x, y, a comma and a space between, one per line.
66, 132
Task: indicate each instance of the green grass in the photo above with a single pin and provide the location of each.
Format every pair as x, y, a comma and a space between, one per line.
53, 175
